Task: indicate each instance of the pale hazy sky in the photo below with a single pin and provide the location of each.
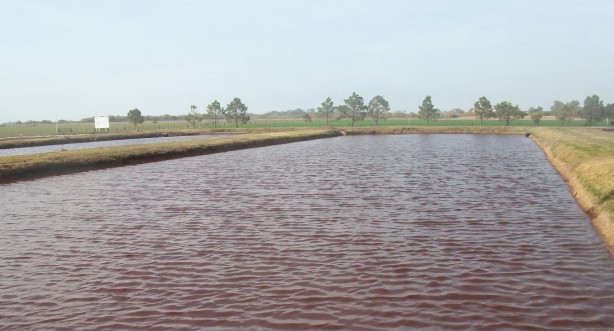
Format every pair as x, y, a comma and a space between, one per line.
84, 58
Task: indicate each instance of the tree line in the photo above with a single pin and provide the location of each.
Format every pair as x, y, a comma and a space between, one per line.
378, 108
235, 112
593, 110
355, 109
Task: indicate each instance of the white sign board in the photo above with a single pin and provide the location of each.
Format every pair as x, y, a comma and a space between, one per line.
101, 122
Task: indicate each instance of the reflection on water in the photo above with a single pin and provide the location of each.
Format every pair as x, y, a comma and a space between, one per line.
368, 232
98, 144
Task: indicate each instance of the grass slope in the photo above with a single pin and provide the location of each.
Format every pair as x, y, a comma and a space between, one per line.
585, 159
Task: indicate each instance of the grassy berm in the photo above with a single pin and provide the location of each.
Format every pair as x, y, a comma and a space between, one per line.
23, 167
585, 159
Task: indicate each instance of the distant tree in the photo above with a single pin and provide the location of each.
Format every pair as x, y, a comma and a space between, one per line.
538, 109
119, 118
427, 111
593, 110
536, 117
483, 109
399, 114
453, 113
135, 117
507, 112
193, 116
565, 111
608, 111
378, 108
236, 112
342, 112
298, 112
213, 111
327, 107
307, 118
354, 108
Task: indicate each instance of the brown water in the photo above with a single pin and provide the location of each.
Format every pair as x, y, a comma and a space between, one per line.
369, 232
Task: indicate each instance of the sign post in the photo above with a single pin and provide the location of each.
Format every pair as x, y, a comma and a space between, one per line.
101, 122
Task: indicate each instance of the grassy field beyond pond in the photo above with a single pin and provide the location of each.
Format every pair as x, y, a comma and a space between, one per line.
170, 126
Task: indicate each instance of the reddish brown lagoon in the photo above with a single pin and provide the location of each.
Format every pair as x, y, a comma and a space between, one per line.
369, 232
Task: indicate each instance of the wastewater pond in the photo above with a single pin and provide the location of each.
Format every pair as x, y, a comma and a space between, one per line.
366, 232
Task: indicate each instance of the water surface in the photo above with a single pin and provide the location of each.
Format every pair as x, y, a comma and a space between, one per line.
366, 232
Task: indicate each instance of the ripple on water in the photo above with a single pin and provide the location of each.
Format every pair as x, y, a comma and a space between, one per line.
373, 232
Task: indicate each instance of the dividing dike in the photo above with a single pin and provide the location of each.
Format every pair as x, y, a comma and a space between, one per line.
27, 167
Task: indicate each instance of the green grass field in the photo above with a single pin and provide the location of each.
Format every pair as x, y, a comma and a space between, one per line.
81, 128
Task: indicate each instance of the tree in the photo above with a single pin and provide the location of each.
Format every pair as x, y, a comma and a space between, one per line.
307, 117
378, 108
342, 111
536, 117
532, 110
135, 117
565, 111
483, 109
213, 110
593, 110
608, 111
427, 110
327, 107
505, 111
453, 113
236, 112
355, 108
193, 116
